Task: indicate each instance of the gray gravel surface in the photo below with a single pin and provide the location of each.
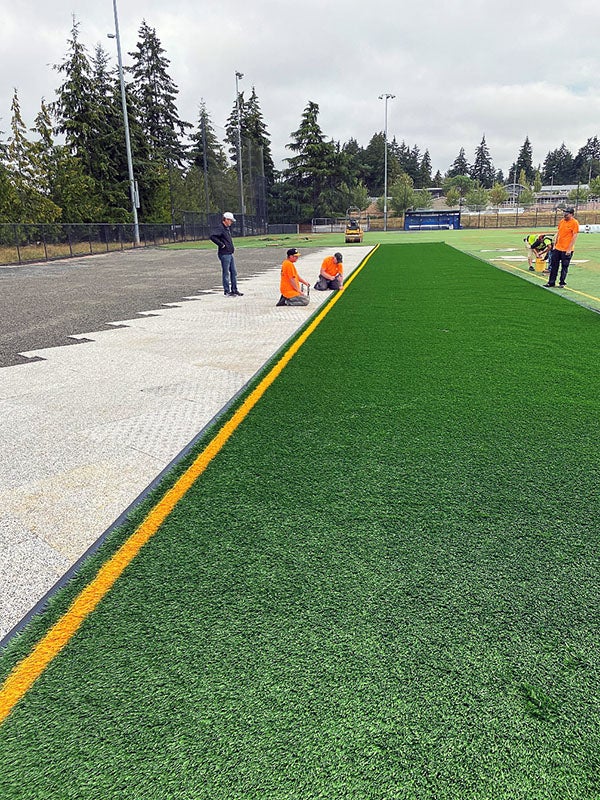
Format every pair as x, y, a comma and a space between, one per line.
41, 305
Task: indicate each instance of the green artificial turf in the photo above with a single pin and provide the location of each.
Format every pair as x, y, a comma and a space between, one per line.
385, 586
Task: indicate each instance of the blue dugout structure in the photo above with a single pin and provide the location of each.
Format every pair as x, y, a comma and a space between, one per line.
431, 220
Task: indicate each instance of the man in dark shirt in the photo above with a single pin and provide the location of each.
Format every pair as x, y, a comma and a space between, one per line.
222, 238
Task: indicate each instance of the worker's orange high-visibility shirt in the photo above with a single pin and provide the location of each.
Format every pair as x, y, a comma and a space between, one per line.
288, 272
567, 228
331, 267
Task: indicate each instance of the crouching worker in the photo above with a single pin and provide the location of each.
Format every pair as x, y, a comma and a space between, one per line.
291, 293
332, 273
538, 245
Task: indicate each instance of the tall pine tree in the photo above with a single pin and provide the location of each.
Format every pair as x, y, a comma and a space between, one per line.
75, 108
482, 169
25, 169
459, 166
155, 94
210, 173
558, 168
524, 162
309, 170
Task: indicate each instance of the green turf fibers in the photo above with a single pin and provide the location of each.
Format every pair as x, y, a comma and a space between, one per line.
385, 586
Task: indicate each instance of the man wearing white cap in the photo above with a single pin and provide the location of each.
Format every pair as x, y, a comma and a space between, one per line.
222, 238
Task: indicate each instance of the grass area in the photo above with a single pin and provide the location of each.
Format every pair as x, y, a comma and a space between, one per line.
385, 585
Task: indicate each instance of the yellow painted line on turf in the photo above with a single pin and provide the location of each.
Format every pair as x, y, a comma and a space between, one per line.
27, 671
545, 277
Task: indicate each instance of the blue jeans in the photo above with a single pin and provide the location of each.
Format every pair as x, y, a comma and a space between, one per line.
229, 273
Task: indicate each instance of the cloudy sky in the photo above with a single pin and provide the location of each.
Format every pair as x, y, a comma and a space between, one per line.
459, 69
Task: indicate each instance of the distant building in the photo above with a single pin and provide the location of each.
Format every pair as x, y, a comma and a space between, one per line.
552, 195
557, 195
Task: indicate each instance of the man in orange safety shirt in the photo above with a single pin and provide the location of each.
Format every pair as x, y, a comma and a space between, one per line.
568, 228
291, 293
332, 273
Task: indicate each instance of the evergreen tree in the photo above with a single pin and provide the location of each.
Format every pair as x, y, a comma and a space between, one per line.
74, 109
109, 158
524, 162
459, 166
437, 179
586, 164
155, 94
235, 122
68, 185
26, 176
309, 170
424, 180
413, 164
355, 159
482, 170
500, 177
374, 160
256, 131
558, 167
209, 167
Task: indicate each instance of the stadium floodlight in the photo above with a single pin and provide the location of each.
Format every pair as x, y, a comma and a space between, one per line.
132, 185
385, 97
238, 77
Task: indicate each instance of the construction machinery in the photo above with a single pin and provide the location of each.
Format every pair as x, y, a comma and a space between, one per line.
354, 231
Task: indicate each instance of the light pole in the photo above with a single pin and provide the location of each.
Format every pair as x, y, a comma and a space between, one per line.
132, 186
238, 77
385, 97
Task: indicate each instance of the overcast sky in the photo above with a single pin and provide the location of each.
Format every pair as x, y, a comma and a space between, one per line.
459, 69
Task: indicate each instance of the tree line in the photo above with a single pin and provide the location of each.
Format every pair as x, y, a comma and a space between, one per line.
71, 166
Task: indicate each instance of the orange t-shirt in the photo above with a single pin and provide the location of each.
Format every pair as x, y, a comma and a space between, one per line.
286, 287
567, 228
331, 267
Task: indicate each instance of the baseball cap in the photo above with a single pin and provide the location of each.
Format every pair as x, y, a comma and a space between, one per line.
229, 215
568, 210
293, 252
338, 256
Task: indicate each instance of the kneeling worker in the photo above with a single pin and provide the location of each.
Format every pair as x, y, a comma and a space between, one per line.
291, 294
332, 273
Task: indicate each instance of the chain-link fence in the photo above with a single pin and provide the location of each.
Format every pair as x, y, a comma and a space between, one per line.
21, 244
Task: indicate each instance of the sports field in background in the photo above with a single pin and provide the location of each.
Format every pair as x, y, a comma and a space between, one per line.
503, 248
384, 585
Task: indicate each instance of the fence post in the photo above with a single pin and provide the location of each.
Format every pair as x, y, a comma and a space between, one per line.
70, 242
44, 241
17, 243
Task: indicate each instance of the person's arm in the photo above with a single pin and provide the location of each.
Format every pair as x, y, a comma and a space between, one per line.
573, 240
217, 238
